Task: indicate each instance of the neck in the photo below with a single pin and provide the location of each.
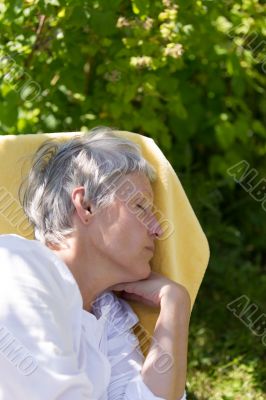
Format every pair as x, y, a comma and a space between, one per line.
91, 271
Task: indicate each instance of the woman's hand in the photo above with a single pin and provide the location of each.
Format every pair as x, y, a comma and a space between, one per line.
150, 291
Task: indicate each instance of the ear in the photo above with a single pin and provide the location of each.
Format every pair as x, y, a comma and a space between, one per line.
83, 211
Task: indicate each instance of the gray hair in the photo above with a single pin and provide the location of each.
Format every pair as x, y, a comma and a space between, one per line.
94, 160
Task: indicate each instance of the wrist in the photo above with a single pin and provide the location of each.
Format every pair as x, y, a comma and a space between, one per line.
175, 295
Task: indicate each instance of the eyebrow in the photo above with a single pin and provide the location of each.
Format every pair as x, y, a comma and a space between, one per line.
150, 195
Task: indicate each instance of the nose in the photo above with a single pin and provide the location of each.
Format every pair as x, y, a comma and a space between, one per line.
155, 228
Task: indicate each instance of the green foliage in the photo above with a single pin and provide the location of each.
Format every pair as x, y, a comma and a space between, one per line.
190, 74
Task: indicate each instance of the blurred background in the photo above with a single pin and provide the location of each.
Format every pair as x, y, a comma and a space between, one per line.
191, 75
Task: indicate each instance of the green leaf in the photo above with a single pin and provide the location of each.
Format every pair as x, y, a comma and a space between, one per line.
225, 134
103, 22
140, 7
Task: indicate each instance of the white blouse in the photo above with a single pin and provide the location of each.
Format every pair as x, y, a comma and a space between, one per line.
52, 349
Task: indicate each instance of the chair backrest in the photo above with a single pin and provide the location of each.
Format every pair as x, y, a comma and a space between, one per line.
181, 255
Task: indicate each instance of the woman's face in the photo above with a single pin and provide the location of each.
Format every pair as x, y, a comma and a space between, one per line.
125, 231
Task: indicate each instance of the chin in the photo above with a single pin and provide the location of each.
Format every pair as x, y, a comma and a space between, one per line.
145, 271
139, 270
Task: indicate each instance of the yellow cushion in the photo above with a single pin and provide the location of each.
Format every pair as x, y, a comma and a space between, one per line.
183, 256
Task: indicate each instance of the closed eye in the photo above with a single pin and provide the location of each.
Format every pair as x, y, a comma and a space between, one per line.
147, 209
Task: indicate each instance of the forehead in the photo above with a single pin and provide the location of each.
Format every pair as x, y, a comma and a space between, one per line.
142, 184
138, 183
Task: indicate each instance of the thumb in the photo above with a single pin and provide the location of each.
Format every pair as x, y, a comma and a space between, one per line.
118, 287
125, 286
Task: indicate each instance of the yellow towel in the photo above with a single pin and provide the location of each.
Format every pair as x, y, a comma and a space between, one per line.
182, 256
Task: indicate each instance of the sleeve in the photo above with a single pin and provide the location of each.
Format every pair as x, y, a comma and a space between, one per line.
37, 360
125, 356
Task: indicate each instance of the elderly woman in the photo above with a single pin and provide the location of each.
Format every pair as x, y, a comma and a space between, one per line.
64, 333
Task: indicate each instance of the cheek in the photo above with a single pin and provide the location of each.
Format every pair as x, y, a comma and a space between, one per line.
134, 229
128, 240
123, 232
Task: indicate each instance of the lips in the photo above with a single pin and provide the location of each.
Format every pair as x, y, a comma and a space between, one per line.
150, 248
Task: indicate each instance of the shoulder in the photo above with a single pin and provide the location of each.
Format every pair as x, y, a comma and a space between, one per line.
118, 313
30, 265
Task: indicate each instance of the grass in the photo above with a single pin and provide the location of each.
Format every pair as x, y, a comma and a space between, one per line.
226, 360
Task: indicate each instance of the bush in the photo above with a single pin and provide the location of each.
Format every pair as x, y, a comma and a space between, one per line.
190, 74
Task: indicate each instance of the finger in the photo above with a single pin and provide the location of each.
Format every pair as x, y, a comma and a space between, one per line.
127, 287
140, 299
131, 296
118, 287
